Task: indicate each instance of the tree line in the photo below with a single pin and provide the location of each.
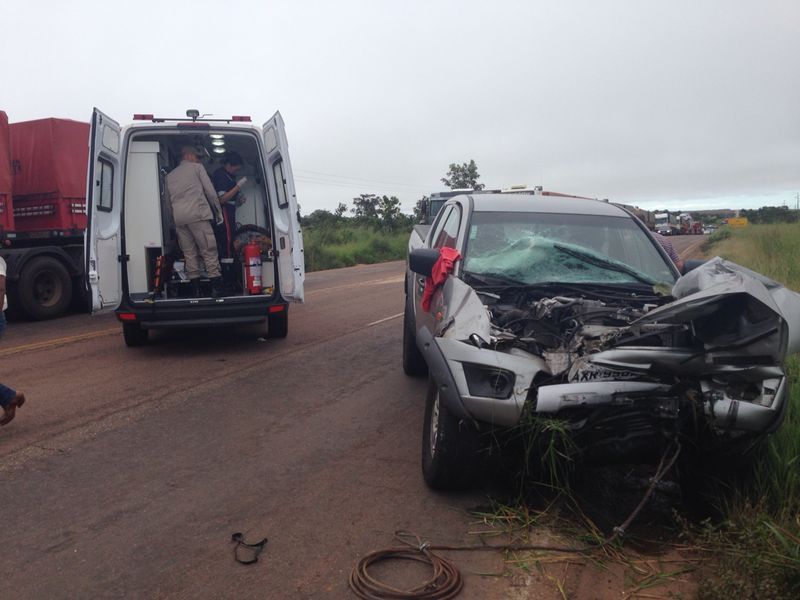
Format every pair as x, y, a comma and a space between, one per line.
383, 212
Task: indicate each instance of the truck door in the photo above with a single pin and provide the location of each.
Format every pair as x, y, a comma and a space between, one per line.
288, 242
103, 209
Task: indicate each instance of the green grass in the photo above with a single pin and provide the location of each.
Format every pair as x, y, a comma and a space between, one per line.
347, 245
757, 546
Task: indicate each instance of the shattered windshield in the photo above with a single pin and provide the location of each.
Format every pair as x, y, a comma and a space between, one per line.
531, 248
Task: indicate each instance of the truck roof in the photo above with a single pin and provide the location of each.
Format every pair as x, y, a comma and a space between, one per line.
492, 202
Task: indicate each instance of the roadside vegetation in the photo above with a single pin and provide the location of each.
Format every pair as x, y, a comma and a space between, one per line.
757, 544
373, 229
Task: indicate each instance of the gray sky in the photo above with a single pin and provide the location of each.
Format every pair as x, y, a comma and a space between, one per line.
684, 103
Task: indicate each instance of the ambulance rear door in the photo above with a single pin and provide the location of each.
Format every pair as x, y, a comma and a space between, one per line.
103, 209
288, 242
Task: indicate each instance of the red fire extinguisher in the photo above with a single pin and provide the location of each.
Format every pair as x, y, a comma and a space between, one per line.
252, 267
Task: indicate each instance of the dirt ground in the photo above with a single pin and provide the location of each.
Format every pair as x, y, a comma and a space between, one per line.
128, 469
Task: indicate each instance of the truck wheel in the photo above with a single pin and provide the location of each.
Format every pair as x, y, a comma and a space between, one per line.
278, 324
134, 335
45, 288
413, 362
449, 446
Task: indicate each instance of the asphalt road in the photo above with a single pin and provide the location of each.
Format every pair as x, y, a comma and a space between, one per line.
128, 470
688, 246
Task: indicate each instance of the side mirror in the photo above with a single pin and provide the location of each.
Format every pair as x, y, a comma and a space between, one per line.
691, 265
421, 260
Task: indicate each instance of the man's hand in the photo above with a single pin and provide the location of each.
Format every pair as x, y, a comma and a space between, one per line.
241, 182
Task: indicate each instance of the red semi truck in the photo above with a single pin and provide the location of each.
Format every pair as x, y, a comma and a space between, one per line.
43, 167
6, 179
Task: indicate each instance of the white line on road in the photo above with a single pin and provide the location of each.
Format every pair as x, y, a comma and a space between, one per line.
379, 321
396, 279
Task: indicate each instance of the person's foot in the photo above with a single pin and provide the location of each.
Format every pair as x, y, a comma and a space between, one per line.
216, 287
10, 411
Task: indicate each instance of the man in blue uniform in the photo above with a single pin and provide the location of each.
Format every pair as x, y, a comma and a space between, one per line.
228, 187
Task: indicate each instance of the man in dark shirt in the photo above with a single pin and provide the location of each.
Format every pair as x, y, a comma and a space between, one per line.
227, 187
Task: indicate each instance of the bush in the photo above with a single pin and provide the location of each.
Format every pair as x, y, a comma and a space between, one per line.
347, 244
715, 238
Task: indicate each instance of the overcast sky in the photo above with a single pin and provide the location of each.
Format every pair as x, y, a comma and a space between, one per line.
687, 104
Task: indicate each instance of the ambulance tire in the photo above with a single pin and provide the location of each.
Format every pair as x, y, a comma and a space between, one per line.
278, 324
134, 335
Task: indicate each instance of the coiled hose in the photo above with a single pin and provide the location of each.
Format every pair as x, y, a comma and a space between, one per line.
446, 581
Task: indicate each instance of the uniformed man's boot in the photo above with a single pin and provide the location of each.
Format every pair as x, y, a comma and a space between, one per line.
195, 288
216, 287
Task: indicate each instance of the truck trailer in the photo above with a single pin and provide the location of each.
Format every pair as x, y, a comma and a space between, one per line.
43, 166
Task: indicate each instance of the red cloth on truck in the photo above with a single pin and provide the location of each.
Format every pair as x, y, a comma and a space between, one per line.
6, 180
50, 157
441, 269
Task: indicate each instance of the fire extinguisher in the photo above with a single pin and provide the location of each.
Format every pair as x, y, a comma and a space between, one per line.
252, 267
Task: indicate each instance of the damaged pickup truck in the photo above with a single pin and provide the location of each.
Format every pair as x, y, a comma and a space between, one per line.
568, 308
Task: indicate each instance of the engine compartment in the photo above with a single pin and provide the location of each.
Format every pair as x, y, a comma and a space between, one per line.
627, 368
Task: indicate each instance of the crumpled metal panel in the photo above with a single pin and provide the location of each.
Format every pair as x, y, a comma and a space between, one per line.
466, 314
719, 274
553, 398
733, 307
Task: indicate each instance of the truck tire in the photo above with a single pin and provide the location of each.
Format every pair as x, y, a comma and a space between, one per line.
44, 288
449, 446
413, 362
134, 335
278, 324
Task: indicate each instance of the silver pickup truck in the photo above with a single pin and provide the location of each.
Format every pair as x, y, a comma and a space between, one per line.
567, 308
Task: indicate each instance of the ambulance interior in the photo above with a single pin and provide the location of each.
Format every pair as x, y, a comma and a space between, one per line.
156, 270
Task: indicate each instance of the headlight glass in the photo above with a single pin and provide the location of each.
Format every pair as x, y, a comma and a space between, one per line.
489, 382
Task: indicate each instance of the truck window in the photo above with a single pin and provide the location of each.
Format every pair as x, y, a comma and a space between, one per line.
106, 185
449, 234
436, 228
280, 184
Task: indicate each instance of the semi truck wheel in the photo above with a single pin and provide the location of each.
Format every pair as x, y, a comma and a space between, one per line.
44, 288
134, 335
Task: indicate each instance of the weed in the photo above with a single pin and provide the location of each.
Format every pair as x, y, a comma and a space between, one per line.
757, 546
715, 238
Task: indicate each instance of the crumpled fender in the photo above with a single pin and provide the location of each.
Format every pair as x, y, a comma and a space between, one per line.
720, 274
440, 372
734, 310
466, 313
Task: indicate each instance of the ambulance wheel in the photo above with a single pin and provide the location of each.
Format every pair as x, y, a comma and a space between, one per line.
45, 288
134, 335
278, 324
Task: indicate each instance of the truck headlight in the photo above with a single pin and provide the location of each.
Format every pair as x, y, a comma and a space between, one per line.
489, 382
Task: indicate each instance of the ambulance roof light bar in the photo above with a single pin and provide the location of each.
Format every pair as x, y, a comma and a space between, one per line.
193, 115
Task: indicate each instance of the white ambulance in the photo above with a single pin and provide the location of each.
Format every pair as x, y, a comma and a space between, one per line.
134, 265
